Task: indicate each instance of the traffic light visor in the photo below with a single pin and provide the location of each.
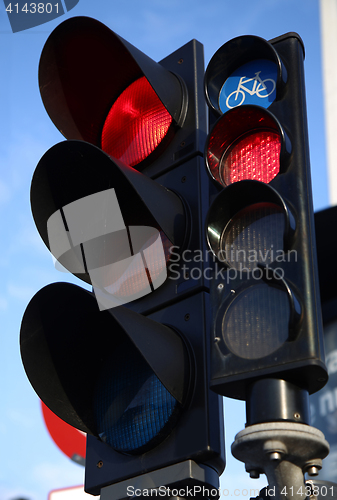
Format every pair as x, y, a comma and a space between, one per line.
99, 216
126, 385
99, 88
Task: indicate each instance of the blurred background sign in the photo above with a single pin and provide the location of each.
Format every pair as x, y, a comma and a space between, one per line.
324, 402
70, 440
72, 493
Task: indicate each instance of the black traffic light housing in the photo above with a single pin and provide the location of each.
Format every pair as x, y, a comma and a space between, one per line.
80, 77
84, 69
260, 226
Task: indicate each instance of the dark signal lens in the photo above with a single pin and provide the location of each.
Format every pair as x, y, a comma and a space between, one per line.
133, 409
256, 323
136, 124
254, 157
255, 235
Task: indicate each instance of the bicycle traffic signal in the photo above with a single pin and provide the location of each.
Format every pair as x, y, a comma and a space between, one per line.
260, 225
117, 204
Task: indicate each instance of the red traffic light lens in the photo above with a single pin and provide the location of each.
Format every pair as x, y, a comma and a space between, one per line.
136, 124
246, 144
253, 157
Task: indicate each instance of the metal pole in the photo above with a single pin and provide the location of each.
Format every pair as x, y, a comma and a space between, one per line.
278, 440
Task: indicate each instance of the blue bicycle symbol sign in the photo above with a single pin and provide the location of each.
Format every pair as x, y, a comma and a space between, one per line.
253, 83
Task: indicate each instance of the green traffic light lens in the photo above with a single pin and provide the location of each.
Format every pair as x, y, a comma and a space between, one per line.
134, 411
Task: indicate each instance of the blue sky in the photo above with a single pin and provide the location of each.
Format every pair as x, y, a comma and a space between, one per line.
30, 463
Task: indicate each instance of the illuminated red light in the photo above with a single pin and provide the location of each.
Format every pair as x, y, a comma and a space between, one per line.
254, 157
136, 124
246, 143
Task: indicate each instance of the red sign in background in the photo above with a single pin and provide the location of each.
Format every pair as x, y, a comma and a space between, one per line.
70, 440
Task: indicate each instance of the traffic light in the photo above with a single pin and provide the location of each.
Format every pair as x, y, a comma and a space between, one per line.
260, 226
118, 203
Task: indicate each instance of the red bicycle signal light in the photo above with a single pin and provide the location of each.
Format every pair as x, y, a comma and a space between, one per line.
255, 157
246, 143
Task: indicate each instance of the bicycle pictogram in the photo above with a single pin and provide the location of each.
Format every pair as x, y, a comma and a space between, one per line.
260, 88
